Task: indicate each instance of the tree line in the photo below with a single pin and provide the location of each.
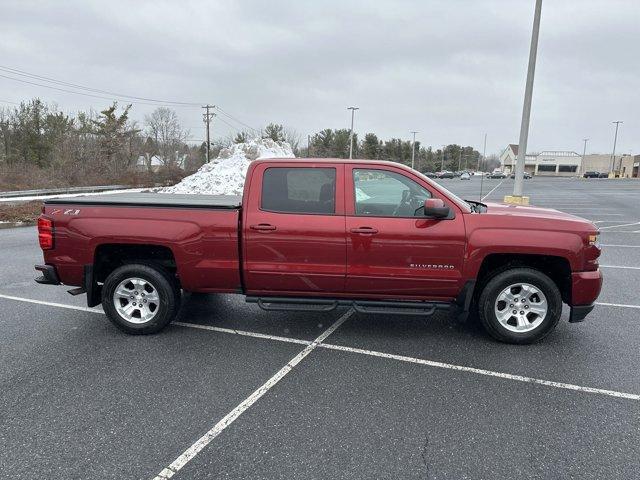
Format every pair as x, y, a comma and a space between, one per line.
40, 145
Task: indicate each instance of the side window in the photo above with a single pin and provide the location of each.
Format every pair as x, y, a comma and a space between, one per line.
381, 193
299, 190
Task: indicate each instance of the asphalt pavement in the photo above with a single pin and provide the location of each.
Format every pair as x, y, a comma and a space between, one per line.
230, 391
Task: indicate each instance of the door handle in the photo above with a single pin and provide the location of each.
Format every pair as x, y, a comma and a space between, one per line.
369, 230
263, 227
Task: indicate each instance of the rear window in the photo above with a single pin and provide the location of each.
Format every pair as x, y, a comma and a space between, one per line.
299, 190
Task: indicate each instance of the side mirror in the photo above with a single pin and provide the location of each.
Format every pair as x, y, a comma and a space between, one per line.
435, 208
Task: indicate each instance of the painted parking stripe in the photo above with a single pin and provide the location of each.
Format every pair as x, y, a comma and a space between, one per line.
611, 245
623, 225
620, 266
380, 354
480, 371
621, 305
492, 190
243, 333
229, 418
51, 304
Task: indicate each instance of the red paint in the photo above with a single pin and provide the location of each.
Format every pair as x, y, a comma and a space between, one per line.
329, 255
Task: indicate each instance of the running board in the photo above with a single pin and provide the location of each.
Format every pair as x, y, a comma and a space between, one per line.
288, 304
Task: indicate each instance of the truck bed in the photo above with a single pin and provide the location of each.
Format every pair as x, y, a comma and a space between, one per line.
153, 200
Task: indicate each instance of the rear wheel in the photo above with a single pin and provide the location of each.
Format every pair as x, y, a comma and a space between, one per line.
520, 305
140, 299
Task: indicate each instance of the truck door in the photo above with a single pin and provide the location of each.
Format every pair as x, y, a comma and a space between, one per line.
392, 250
294, 229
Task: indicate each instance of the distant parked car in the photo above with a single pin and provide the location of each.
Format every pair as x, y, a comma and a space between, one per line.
592, 175
445, 174
527, 175
465, 176
498, 175
603, 175
431, 174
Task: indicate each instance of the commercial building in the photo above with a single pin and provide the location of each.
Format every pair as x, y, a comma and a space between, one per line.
623, 165
554, 163
570, 164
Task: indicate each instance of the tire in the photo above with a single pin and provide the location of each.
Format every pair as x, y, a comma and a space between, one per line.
128, 286
534, 292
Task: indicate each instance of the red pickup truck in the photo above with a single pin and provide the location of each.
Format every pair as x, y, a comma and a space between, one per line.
317, 234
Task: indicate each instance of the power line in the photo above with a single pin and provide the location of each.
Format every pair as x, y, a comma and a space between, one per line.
236, 120
22, 73
88, 94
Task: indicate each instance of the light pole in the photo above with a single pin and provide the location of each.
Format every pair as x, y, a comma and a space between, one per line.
615, 140
353, 111
413, 150
442, 165
584, 152
526, 109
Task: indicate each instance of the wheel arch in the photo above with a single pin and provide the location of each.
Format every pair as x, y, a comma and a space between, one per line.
555, 267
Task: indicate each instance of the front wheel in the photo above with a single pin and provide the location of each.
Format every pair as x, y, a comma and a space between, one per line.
140, 299
520, 305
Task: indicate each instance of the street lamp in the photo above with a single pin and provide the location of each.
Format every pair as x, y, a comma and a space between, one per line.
526, 110
353, 111
584, 152
413, 150
615, 140
442, 166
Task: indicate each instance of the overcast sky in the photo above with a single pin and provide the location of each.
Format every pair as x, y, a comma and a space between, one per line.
451, 69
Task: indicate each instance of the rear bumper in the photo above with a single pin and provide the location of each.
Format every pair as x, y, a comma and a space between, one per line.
585, 288
49, 275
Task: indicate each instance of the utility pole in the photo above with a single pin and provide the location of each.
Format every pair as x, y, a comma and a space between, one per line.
526, 110
442, 157
413, 150
615, 140
207, 119
584, 152
484, 152
308, 146
459, 158
353, 111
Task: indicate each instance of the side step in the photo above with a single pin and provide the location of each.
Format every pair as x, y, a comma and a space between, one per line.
288, 304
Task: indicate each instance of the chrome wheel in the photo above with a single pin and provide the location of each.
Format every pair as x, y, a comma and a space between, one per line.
136, 300
521, 307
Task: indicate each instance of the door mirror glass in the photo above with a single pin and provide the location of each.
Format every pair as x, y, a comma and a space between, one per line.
435, 208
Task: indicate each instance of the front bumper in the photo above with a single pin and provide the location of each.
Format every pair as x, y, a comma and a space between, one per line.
578, 312
49, 275
585, 288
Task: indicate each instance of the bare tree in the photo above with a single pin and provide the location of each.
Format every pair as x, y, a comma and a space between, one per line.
164, 128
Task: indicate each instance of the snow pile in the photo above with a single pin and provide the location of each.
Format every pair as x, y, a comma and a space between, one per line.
225, 175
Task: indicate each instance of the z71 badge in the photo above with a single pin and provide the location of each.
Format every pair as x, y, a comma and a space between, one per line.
68, 211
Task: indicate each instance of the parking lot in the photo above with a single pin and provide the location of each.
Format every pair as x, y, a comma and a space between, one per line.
230, 391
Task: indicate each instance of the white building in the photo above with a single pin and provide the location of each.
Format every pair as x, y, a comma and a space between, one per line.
554, 163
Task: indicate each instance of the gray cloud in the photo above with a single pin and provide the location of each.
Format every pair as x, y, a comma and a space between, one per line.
452, 70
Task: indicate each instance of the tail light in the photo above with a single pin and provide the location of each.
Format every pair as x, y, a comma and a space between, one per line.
45, 233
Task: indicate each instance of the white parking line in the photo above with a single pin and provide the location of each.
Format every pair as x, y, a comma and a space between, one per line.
611, 245
229, 418
491, 191
243, 333
623, 225
432, 363
480, 371
621, 305
620, 266
51, 304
